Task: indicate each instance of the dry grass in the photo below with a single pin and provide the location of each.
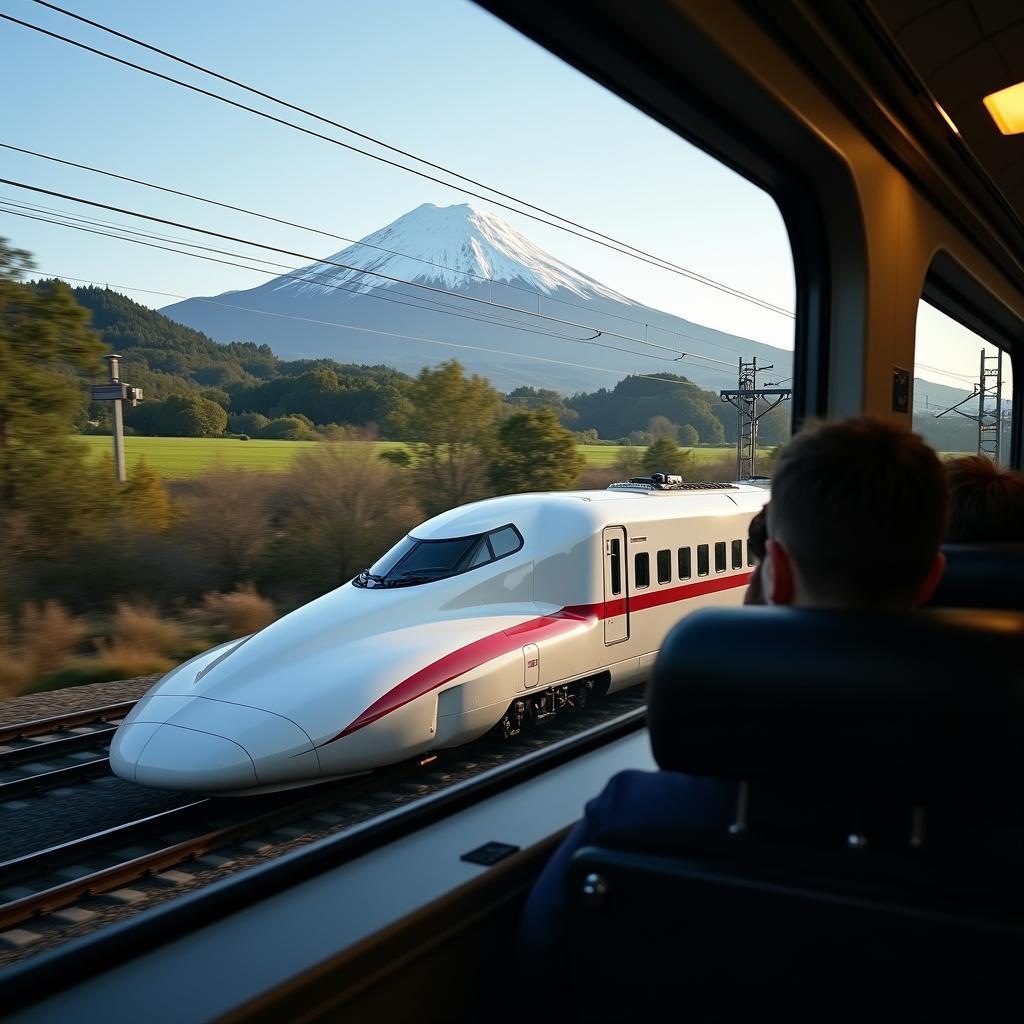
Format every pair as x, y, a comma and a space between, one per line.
142, 628
239, 613
48, 635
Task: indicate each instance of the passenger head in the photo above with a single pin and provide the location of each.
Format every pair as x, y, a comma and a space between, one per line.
986, 503
757, 534
857, 514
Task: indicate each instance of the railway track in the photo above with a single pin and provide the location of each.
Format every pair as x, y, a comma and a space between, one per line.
51, 893
46, 752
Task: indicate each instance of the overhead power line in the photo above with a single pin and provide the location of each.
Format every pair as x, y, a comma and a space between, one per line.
344, 266
343, 238
594, 236
509, 324
389, 334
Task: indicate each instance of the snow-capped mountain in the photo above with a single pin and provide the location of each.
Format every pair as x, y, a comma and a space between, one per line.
458, 248
457, 282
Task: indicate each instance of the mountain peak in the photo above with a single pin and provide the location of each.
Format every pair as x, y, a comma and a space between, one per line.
458, 248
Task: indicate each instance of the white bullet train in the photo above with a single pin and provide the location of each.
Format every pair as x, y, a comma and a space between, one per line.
497, 613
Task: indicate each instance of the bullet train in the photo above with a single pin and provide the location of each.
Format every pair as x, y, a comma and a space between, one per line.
495, 614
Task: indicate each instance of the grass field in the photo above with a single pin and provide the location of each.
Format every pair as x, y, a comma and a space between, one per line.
186, 456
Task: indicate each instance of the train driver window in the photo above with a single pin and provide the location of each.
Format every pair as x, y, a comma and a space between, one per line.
642, 570
665, 566
412, 562
685, 568
737, 554
703, 563
720, 556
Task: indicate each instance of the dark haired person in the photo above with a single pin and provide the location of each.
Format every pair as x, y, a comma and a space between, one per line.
986, 503
757, 534
857, 513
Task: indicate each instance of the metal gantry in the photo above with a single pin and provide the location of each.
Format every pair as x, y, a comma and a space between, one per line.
745, 399
989, 393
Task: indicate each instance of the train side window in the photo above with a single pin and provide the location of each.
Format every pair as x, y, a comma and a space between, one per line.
685, 567
615, 550
737, 554
642, 570
665, 566
750, 555
959, 377
505, 541
703, 562
720, 556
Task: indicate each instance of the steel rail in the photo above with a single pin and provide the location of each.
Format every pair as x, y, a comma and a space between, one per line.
56, 748
59, 723
58, 777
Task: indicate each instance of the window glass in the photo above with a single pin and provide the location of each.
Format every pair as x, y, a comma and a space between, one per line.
642, 570
703, 565
961, 389
665, 566
505, 541
750, 556
615, 552
737, 554
412, 562
684, 564
720, 556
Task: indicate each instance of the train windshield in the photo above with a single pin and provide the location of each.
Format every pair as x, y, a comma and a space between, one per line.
412, 562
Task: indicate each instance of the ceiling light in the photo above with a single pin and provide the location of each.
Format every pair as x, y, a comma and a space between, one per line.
1007, 109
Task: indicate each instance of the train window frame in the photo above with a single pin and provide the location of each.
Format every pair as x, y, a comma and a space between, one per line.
685, 563
703, 559
642, 579
721, 559
737, 554
663, 563
369, 579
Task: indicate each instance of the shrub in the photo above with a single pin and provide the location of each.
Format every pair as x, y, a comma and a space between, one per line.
239, 613
143, 628
49, 634
111, 661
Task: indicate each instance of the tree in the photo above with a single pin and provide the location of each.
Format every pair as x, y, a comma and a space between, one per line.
144, 500
46, 482
190, 416
688, 436
449, 424
662, 426
665, 456
534, 452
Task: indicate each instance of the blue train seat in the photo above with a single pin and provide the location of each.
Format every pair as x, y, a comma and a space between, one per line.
981, 576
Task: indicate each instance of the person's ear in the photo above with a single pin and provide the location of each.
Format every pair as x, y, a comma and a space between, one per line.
777, 574
931, 581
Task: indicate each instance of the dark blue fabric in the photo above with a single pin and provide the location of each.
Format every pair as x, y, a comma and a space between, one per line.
636, 809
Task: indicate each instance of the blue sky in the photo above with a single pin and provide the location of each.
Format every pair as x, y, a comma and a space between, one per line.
443, 79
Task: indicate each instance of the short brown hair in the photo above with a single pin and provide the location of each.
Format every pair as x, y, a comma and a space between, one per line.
986, 503
860, 507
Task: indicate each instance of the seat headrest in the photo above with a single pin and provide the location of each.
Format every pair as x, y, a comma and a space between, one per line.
981, 576
919, 704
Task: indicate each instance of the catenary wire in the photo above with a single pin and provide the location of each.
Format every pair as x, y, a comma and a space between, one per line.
343, 238
344, 266
391, 334
636, 254
497, 323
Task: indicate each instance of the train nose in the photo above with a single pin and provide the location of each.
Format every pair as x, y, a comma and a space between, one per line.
197, 743
175, 758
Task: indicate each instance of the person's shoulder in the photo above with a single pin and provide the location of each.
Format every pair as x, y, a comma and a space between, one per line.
639, 801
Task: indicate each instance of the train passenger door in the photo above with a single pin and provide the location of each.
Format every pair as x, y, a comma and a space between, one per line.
616, 586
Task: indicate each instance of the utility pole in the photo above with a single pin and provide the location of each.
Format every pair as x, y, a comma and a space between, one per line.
745, 398
116, 392
989, 393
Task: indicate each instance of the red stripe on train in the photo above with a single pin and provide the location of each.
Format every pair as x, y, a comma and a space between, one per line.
569, 619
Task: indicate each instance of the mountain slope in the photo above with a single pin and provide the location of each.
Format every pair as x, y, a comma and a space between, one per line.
447, 282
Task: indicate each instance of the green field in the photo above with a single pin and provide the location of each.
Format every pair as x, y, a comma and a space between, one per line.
186, 456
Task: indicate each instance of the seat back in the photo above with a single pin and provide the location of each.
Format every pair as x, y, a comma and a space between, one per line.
909, 908
981, 576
